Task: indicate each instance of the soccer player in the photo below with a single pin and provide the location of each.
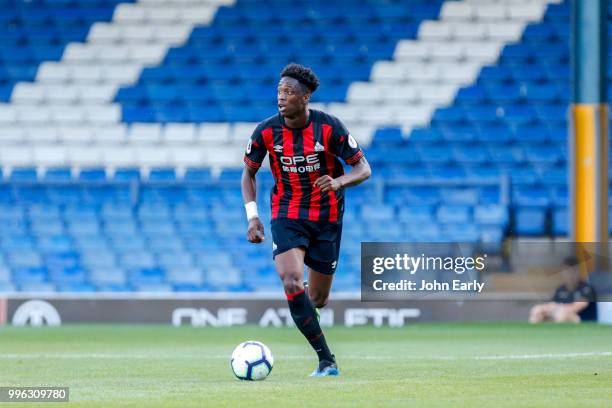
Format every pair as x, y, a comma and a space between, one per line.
307, 199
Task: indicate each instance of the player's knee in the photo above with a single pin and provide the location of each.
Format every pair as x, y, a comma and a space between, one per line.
318, 299
567, 316
292, 282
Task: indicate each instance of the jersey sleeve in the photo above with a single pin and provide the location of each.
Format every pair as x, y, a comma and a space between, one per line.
346, 147
557, 297
587, 293
255, 150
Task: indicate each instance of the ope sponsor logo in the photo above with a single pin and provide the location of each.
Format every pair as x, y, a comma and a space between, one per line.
301, 164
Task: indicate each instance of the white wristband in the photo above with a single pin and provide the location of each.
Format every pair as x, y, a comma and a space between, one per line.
251, 210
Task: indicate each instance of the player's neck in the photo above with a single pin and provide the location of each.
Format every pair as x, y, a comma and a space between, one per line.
298, 121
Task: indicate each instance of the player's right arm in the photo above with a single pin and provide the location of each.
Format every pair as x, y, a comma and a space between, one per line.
255, 231
253, 157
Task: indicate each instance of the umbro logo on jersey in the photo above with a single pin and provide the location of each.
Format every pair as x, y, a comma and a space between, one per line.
278, 149
319, 147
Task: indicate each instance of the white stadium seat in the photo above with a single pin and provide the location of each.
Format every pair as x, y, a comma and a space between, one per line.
62, 94
434, 30
419, 73
96, 94
118, 156
80, 53
67, 114
174, 35
26, 92
214, 132
147, 54
241, 132
85, 73
104, 33
110, 53
102, 114
346, 112
437, 94
144, 133
490, 12
460, 74
186, 156
121, 74
507, 31
420, 113
53, 72
137, 33
446, 51
162, 14
401, 94
16, 156
32, 114
482, 52
412, 50
75, 134
230, 156
11, 135
527, 11
8, 115
456, 10
50, 156
83, 157
129, 13
178, 133
472, 31
388, 71
152, 157
196, 14
41, 134
364, 92
110, 134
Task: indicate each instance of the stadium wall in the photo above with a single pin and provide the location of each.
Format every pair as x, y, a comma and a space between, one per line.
216, 310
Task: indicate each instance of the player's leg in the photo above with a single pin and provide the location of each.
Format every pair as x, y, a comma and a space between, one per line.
319, 286
566, 315
290, 238
322, 258
537, 314
290, 267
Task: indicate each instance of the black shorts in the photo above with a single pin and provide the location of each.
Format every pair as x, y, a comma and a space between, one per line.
320, 239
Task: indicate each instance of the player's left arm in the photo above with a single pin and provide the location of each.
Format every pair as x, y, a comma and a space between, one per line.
343, 145
576, 307
360, 172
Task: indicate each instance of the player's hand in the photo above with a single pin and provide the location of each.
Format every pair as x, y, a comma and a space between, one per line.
255, 233
326, 183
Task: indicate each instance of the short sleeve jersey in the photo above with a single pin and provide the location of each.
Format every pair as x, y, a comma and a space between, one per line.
297, 158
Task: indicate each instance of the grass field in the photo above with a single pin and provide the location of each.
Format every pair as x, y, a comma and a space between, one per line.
432, 365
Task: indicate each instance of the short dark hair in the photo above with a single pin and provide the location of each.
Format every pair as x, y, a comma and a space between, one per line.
303, 75
571, 261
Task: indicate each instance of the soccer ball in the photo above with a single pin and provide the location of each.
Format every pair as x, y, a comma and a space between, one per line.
252, 361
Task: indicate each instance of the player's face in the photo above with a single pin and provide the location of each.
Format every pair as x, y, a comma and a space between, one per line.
290, 97
571, 276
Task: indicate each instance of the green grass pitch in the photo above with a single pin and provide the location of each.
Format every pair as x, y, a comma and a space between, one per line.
429, 365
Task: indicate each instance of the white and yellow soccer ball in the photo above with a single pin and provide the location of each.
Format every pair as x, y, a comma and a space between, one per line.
252, 361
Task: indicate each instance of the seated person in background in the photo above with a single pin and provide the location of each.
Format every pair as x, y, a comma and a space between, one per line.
573, 301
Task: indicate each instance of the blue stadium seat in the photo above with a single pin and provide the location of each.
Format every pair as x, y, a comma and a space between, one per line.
453, 214
530, 221
560, 221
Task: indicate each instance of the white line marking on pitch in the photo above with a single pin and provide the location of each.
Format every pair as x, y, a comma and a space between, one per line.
12, 356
